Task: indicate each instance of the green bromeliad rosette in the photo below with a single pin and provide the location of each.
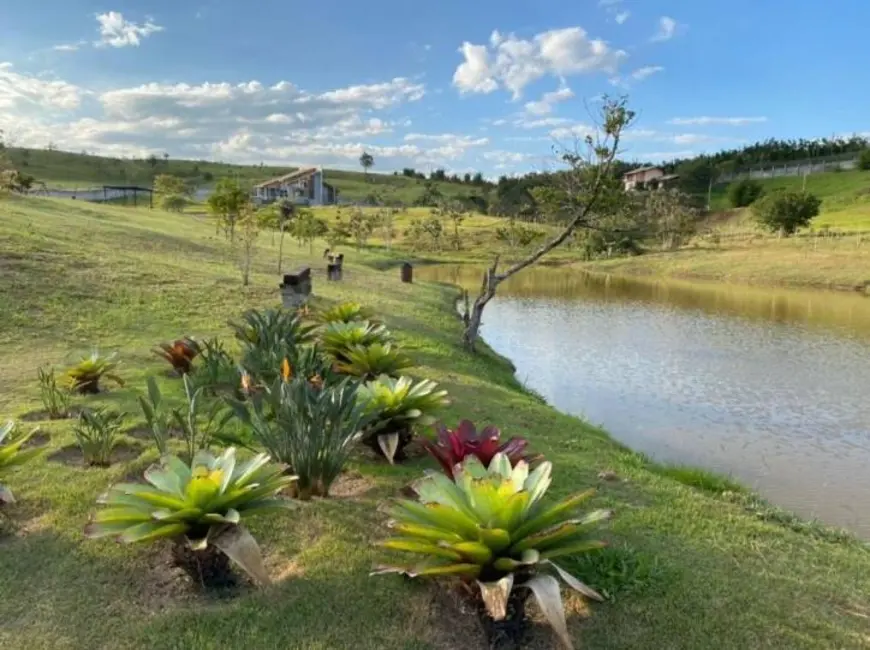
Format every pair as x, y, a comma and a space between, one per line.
490, 527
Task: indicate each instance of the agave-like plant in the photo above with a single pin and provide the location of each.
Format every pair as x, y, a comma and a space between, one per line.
271, 326
372, 361
396, 406
85, 376
200, 509
346, 312
309, 428
455, 445
338, 338
491, 528
12, 453
180, 354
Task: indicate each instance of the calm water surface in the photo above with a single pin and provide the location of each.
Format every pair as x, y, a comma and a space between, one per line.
768, 385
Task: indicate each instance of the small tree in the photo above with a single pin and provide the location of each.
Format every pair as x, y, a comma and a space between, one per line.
864, 160
173, 202
386, 225
579, 201
286, 210
670, 215
415, 234
785, 212
434, 228
307, 228
516, 234
338, 232
226, 204
744, 192
249, 230
366, 161
360, 226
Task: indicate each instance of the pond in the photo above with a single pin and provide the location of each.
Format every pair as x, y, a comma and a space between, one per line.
764, 384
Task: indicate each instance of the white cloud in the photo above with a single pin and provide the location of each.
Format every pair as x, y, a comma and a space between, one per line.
513, 63
621, 17
544, 106
506, 157
69, 47
667, 29
717, 121
116, 31
645, 72
542, 123
24, 93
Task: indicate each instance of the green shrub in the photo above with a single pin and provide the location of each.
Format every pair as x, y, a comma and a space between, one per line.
347, 312
785, 211
270, 327
309, 428
395, 406
96, 433
200, 422
490, 528
215, 371
864, 160
199, 508
156, 415
744, 192
338, 338
55, 400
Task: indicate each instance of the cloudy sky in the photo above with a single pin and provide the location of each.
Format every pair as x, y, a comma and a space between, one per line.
485, 85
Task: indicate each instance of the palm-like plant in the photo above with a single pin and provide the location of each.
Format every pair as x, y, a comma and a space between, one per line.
338, 338
490, 528
85, 376
200, 509
310, 429
12, 453
264, 362
346, 312
216, 372
454, 446
271, 326
372, 361
96, 433
395, 407
180, 354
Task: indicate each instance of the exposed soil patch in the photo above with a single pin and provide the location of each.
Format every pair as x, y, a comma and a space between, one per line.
39, 439
351, 485
452, 623
43, 416
72, 456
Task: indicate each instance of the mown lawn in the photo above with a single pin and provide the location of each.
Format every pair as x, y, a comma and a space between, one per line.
75, 276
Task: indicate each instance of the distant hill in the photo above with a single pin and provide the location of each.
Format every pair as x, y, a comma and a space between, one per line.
78, 170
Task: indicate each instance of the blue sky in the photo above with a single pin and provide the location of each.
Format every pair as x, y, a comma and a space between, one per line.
486, 85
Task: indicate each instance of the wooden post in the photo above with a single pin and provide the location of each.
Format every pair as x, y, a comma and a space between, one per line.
407, 273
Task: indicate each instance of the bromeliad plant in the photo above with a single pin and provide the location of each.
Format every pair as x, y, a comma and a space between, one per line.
310, 429
180, 354
454, 446
12, 453
346, 312
85, 376
55, 399
200, 509
370, 362
491, 528
96, 433
338, 338
395, 406
272, 326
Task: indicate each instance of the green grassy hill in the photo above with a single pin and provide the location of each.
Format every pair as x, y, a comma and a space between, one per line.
691, 567
845, 197
78, 170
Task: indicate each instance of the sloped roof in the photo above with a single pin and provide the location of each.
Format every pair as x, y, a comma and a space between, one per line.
289, 178
640, 170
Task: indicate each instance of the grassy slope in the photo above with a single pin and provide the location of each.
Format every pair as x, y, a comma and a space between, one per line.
745, 254
67, 169
77, 275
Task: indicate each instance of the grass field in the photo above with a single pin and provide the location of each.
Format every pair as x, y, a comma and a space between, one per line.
699, 568
64, 169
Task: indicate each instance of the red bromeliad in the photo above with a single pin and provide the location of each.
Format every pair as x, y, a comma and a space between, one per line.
180, 354
453, 446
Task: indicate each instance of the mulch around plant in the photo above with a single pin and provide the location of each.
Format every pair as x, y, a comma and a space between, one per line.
72, 456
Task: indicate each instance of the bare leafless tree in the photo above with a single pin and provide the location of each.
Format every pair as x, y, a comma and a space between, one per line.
578, 202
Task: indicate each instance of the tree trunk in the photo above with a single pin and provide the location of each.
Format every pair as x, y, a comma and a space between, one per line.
281, 250
474, 319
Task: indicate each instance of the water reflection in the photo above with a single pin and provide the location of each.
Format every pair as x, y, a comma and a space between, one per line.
764, 384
